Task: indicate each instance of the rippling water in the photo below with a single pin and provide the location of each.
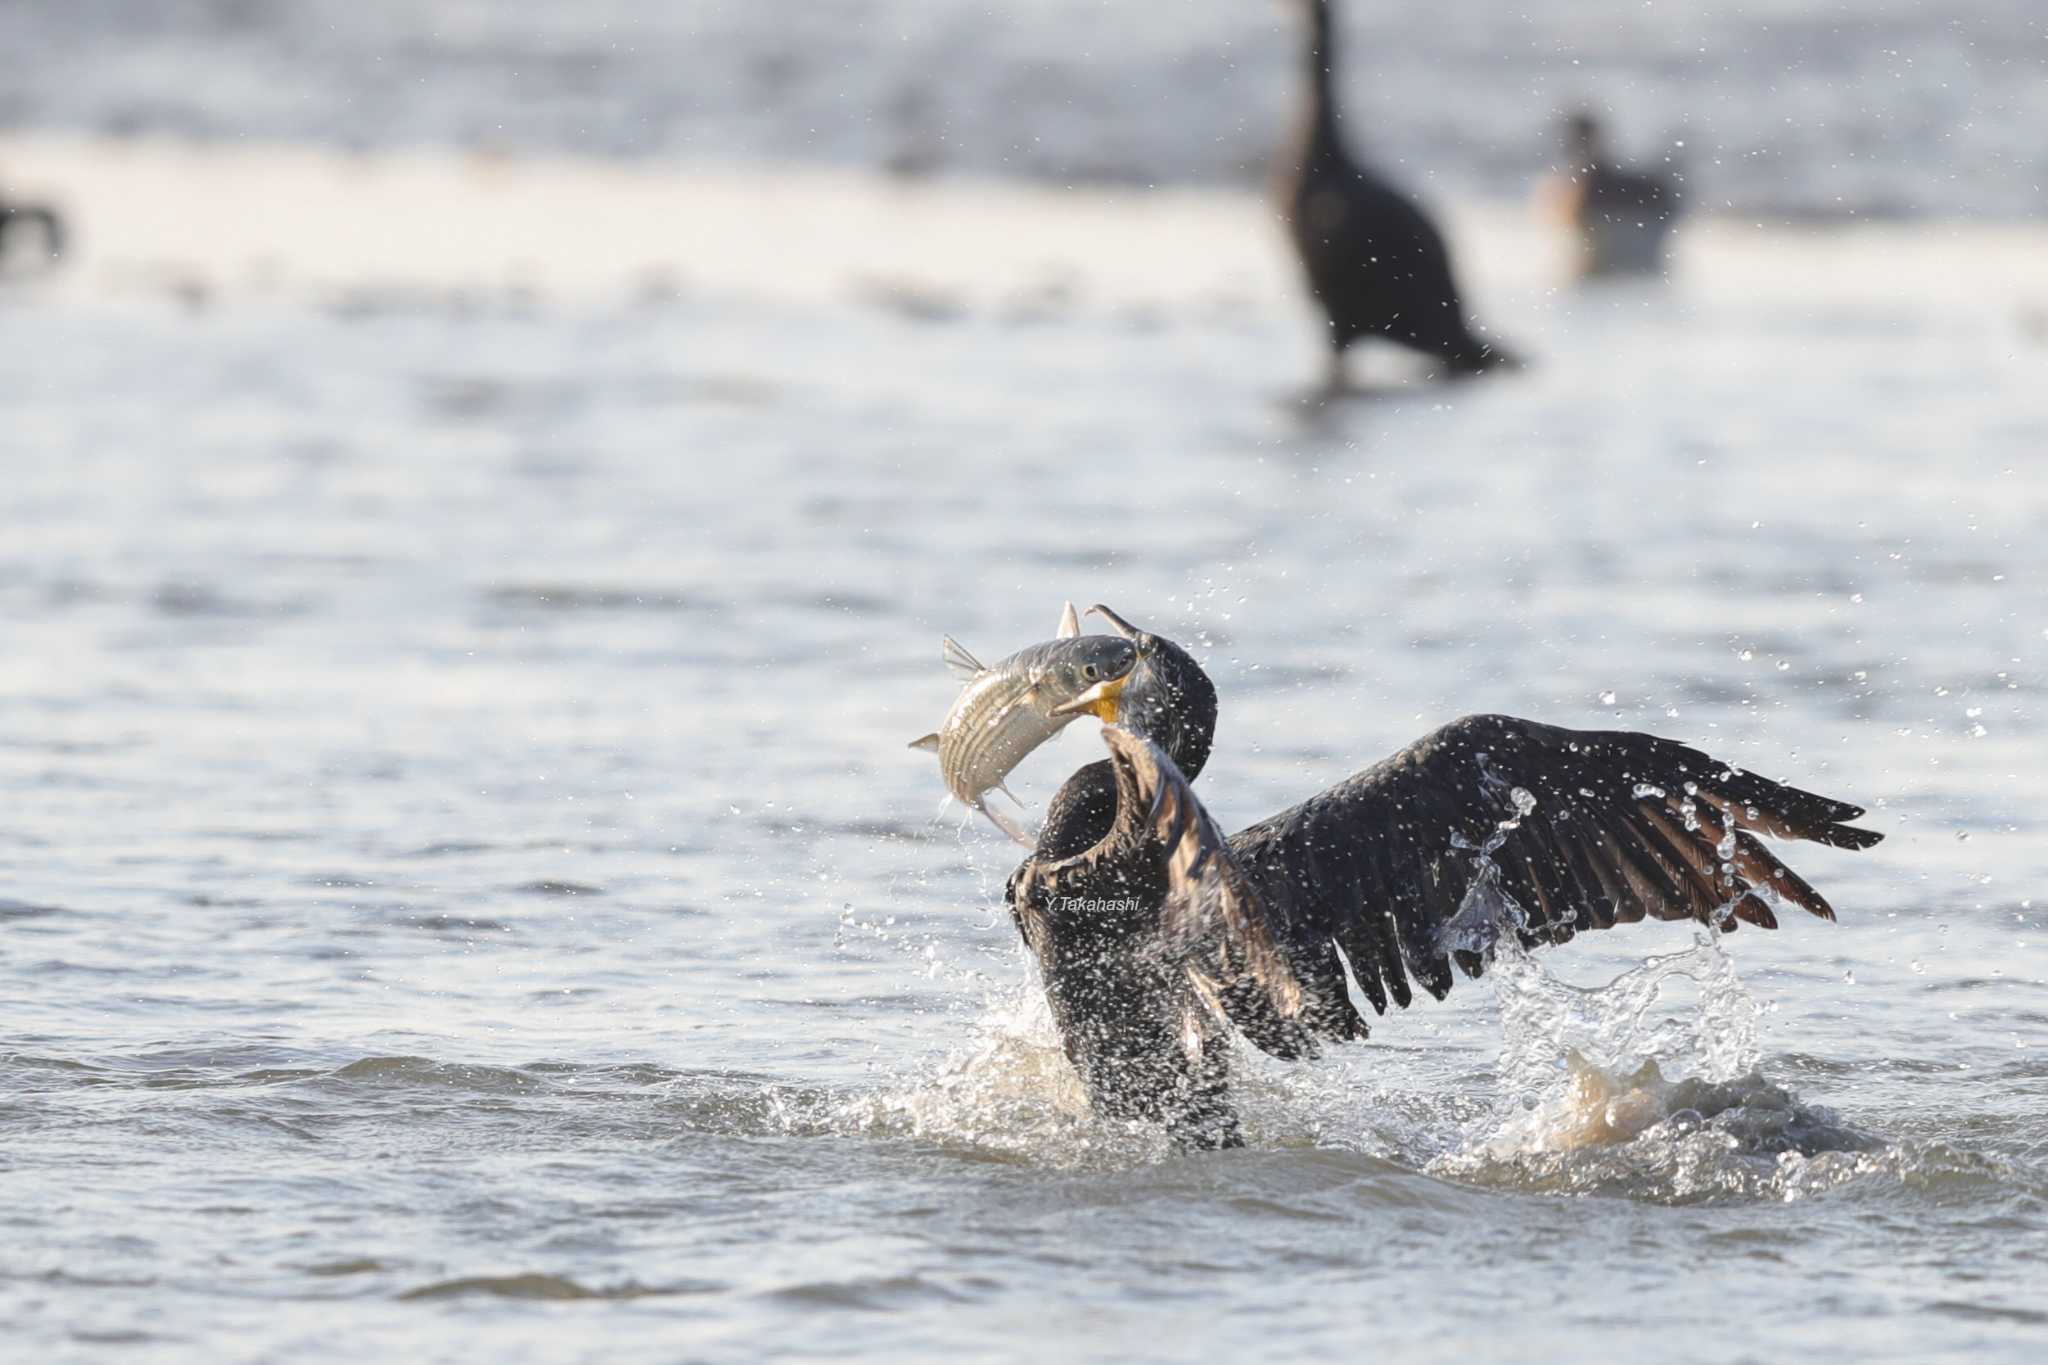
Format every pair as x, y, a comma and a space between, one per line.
466, 893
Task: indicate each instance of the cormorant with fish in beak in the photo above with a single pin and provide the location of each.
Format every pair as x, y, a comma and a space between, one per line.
1155, 935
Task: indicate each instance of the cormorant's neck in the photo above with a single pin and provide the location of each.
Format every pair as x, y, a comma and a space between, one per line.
1588, 151
1196, 734
1081, 814
1321, 56
1173, 704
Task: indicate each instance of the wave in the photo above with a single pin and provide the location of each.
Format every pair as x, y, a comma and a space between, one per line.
532, 1285
1652, 1087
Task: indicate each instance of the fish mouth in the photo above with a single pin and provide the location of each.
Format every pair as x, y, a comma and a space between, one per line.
1103, 701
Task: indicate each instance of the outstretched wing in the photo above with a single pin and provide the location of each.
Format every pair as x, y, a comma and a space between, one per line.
1418, 861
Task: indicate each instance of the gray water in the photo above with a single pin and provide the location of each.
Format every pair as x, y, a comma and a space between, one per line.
464, 893
1770, 107
467, 894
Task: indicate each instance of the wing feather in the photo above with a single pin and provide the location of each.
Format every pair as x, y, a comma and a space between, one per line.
1575, 830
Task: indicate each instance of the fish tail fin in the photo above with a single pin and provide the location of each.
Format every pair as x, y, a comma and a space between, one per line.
964, 665
928, 742
1005, 823
1004, 788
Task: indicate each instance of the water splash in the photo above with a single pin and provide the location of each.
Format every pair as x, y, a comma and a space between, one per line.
1618, 1027
1008, 1092
1648, 1087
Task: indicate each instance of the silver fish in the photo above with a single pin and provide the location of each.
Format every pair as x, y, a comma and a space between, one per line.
1009, 709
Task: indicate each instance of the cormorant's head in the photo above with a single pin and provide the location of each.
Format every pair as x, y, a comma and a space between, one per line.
1167, 697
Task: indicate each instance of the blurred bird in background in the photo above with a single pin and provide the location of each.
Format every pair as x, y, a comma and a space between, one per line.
1373, 259
1619, 218
18, 220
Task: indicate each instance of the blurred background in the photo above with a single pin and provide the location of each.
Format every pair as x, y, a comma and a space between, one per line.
1801, 110
483, 487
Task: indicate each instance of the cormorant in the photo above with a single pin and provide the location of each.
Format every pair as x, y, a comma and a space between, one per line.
1373, 260
1621, 217
1155, 935
14, 217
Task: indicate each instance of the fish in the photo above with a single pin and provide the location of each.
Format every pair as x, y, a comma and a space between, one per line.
1009, 709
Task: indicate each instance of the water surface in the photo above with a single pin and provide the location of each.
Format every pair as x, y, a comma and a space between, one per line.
466, 892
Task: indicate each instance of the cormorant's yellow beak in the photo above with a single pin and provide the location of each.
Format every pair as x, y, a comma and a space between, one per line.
1100, 701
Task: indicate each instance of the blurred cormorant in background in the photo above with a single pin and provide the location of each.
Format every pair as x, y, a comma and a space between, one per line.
44, 221
1374, 261
1155, 935
1621, 217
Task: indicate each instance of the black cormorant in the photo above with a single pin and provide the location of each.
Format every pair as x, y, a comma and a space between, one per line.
15, 217
1374, 261
1621, 217
1155, 935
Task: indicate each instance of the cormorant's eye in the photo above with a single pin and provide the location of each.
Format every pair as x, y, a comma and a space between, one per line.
1088, 672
